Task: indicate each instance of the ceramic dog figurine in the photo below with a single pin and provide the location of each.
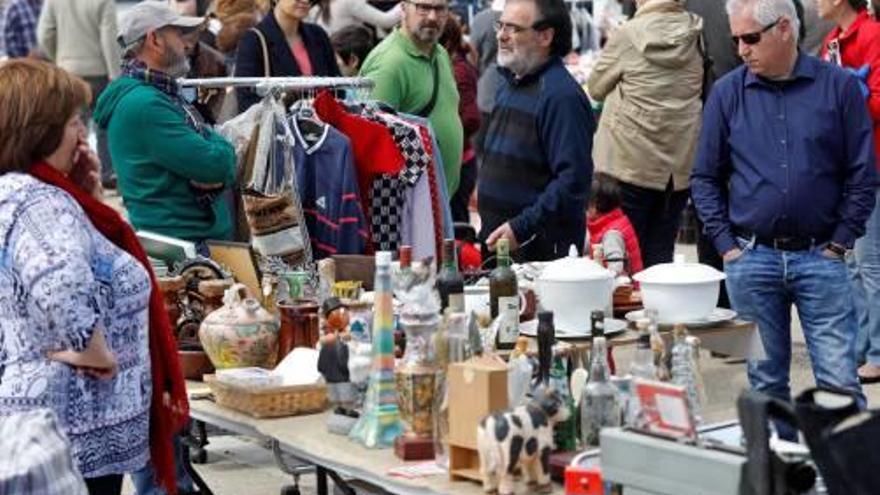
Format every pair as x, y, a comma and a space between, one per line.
521, 437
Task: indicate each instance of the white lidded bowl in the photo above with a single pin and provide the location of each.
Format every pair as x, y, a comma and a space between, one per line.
680, 291
572, 288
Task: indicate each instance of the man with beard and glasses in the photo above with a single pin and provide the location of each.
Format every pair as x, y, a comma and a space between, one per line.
413, 74
171, 167
537, 165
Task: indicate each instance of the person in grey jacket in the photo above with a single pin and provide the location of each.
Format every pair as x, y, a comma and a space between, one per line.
80, 37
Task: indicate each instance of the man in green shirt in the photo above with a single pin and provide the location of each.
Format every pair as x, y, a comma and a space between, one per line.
403, 69
172, 169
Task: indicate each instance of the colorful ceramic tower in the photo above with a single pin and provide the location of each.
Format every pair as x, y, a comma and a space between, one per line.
380, 423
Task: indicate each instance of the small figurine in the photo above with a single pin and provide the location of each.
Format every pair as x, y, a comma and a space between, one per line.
333, 359
521, 437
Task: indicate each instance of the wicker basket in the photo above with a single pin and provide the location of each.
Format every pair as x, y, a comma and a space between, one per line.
271, 402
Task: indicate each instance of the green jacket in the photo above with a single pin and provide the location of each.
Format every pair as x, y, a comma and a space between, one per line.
156, 154
404, 79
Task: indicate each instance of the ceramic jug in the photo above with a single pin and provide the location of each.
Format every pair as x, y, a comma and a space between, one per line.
241, 333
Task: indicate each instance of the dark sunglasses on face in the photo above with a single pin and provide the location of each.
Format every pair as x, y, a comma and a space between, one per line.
427, 8
754, 38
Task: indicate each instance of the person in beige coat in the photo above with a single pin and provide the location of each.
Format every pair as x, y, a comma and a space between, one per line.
650, 76
80, 37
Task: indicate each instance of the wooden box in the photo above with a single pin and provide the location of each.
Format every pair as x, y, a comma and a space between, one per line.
477, 388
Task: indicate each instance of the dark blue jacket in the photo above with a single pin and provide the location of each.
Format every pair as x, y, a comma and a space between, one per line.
249, 59
537, 166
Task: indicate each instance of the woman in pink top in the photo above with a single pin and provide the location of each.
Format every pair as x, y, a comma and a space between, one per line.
293, 48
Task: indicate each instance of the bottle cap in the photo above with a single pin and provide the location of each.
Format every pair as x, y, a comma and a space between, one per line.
405, 256
383, 258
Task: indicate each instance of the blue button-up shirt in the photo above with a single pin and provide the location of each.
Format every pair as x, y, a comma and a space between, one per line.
785, 159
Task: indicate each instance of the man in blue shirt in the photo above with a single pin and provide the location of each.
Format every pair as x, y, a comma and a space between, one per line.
784, 182
537, 165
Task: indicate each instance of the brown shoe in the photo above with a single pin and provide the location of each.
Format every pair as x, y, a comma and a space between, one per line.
869, 373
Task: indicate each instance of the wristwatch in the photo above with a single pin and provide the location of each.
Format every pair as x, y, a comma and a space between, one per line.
837, 249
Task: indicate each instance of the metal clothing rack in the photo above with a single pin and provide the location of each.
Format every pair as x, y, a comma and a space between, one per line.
282, 83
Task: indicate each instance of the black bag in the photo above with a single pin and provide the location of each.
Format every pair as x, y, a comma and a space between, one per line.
708, 68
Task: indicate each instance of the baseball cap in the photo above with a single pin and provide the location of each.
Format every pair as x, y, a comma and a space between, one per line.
151, 15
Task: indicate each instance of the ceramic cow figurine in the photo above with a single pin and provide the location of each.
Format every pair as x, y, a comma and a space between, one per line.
521, 437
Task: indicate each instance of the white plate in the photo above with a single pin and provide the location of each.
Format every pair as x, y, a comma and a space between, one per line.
530, 329
718, 315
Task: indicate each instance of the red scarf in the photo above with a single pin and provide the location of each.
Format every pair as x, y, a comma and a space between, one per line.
166, 417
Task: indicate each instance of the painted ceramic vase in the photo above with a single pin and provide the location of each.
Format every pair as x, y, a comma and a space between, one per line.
241, 333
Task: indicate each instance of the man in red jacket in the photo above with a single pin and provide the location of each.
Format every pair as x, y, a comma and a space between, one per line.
855, 44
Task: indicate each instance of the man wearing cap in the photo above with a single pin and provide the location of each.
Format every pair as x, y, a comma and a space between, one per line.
171, 167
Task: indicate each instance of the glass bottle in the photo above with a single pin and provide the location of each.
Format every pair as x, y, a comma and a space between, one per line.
519, 374
546, 341
565, 434
450, 283
597, 328
404, 274
685, 368
504, 297
600, 403
642, 365
658, 347
456, 348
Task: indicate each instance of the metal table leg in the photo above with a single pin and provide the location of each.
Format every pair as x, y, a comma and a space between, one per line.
190, 441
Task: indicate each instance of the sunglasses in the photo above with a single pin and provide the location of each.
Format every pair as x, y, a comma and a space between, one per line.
754, 38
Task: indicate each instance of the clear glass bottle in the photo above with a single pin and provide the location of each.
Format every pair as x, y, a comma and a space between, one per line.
658, 347
597, 328
642, 365
686, 369
456, 348
600, 402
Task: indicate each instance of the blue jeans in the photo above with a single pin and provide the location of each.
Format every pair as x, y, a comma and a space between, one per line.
144, 479
864, 264
763, 284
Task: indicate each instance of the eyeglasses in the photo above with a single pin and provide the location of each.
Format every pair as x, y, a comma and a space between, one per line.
754, 38
427, 8
510, 28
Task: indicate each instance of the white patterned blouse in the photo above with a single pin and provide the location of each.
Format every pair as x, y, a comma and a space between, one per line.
60, 279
